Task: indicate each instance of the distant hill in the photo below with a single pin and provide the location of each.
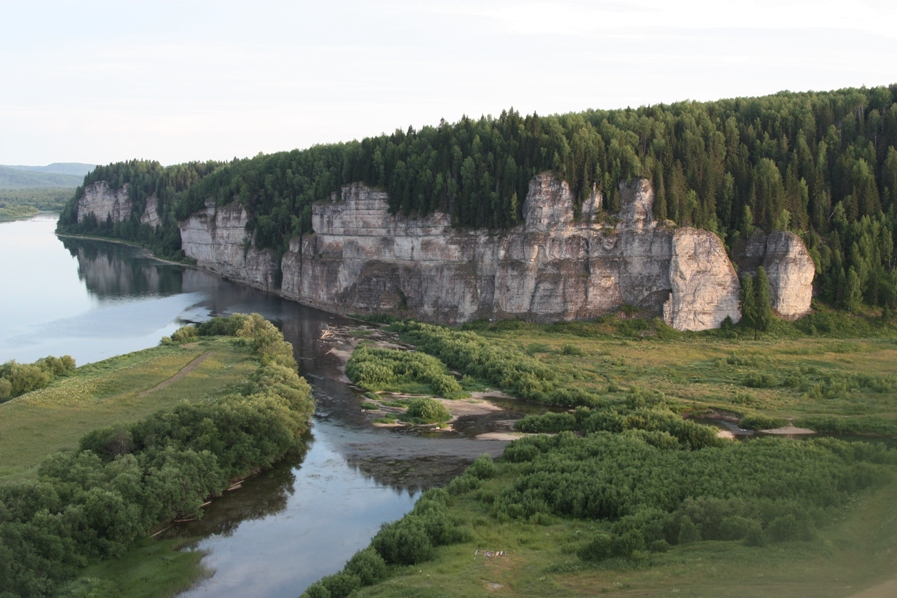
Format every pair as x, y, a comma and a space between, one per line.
18, 177
73, 168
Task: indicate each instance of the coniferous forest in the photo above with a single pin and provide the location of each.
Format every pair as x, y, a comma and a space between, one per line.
823, 165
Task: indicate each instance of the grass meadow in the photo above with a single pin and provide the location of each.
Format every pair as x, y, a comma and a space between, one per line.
40, 423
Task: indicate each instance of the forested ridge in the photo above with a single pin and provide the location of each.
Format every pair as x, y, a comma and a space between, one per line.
823, 164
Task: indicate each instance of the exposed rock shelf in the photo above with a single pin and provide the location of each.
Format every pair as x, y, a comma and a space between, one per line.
554, 266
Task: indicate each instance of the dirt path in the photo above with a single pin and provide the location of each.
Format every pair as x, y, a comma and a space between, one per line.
184, 371
886, 590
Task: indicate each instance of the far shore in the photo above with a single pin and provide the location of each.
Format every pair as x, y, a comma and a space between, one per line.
149, 253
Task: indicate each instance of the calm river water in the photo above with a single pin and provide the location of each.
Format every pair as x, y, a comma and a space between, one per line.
289, 526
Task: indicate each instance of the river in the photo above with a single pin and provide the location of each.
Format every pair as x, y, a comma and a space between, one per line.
288, 526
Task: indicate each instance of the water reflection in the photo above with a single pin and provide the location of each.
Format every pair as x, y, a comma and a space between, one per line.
115, 271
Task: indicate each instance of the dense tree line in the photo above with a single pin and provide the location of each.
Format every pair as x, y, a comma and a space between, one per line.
18, 378
144, 179
123, 480
821, 164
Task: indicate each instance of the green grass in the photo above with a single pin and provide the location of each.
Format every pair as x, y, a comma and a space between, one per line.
148, 569
857, 551
52, 419
799, 376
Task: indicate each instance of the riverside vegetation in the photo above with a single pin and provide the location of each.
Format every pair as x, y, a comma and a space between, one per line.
629, 495
168, 444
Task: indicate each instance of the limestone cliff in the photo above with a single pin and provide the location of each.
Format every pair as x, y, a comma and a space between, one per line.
553, 266
150, 214
217, 239
103, 201
788, 265
705, 286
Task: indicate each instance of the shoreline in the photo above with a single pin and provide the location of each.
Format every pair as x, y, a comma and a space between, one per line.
149, 253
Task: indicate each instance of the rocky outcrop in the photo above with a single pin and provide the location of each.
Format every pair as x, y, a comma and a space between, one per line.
150, 214
101, 200
552, 267
788, 265
705, 287
217, 239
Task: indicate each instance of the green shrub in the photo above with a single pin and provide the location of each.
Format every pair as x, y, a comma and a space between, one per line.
427, 410
18, 378
372, 369
483, 468
370, 406
368, 566
185, 334
341, 585
404, 542
758, 380
688, 531
316, 590
762, 422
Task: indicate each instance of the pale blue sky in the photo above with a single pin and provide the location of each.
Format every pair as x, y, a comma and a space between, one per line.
102, 81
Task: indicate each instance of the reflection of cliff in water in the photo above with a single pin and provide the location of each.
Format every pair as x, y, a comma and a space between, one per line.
114, 271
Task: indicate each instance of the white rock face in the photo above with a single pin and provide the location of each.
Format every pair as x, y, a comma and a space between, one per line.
790, 270
788, 265
551, 267
150, 214
217, 239
705, 286
102, 201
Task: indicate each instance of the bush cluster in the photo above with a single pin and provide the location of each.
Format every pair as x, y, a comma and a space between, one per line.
427, 410
759, 491
371, 368
18, 378
657, 418
509, 369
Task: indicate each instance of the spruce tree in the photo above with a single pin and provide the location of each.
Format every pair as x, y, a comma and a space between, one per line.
762, 301
748, 303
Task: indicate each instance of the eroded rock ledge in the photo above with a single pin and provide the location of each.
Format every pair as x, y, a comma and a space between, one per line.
552, 267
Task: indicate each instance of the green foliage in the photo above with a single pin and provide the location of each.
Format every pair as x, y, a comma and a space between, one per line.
762, 422
507, 368
18, 378
756, 302
783, 489
392, 369
664, 427
368, 565
483, 468
185, 334
427, 410
123, 480
44, 199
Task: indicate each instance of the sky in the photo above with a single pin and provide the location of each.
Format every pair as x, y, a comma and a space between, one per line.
101, 81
